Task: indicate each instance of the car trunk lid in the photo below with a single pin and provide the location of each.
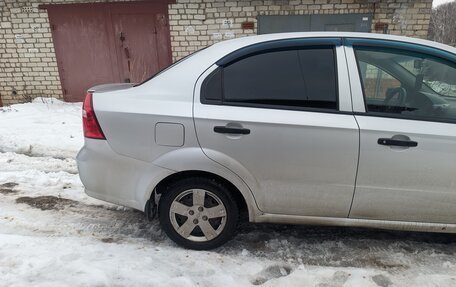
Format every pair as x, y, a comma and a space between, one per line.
110, 87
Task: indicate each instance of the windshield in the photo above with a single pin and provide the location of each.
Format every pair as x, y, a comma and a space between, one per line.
439, 77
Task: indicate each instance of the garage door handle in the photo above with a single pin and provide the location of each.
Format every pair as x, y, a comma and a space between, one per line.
392, 142
227, 130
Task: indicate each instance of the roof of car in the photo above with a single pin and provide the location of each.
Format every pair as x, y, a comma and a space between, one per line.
245, 41
185, 73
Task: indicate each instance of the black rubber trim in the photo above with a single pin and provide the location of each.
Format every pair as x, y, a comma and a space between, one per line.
276, 45
407, 117
275, 107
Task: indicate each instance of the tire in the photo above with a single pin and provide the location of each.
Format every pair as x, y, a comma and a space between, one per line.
198, 213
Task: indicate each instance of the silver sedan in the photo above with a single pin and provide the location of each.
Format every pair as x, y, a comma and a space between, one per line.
304, 128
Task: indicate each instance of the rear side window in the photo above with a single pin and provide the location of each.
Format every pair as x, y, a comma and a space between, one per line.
288, 79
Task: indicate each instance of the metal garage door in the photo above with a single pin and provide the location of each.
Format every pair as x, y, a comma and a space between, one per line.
108, 42
303, 23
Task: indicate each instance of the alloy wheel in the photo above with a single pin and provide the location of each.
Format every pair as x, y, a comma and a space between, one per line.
198, 215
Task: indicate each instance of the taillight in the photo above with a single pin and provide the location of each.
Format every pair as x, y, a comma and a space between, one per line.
89, 120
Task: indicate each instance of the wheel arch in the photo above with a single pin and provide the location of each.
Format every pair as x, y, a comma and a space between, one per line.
245, 203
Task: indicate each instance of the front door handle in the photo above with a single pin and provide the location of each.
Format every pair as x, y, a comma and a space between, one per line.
229, 130
395, 142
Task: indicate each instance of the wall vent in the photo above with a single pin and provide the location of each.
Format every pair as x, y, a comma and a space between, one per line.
27, 9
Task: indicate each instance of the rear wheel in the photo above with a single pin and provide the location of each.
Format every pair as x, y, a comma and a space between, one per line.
198, 213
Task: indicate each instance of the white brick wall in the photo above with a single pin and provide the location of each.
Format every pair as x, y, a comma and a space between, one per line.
205, 25
27, 61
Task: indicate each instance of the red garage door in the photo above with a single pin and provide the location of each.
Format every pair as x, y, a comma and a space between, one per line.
108, 42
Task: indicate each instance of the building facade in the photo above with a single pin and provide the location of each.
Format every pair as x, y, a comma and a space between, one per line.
59, 48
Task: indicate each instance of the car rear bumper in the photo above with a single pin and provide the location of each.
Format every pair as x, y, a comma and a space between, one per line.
115, 178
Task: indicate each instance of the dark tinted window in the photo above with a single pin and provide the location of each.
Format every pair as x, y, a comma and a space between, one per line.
291, 78
212, 87
319, 75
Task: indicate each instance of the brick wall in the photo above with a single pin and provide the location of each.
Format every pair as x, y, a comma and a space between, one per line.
198, 23
28, 66
27, 60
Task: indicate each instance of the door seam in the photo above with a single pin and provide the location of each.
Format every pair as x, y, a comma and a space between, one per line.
359, 130
202, 149
357, 167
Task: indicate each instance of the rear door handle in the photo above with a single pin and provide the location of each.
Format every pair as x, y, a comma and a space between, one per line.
228, 130
394, 142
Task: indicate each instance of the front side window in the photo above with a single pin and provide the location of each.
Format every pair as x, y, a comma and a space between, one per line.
295, 78
377, 81
407, 84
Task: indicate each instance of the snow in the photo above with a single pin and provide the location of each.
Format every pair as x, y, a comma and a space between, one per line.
52, 234
45, 127
436, 3
442, 88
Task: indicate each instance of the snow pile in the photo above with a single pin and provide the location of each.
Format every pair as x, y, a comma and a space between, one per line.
52, 234
46, 127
